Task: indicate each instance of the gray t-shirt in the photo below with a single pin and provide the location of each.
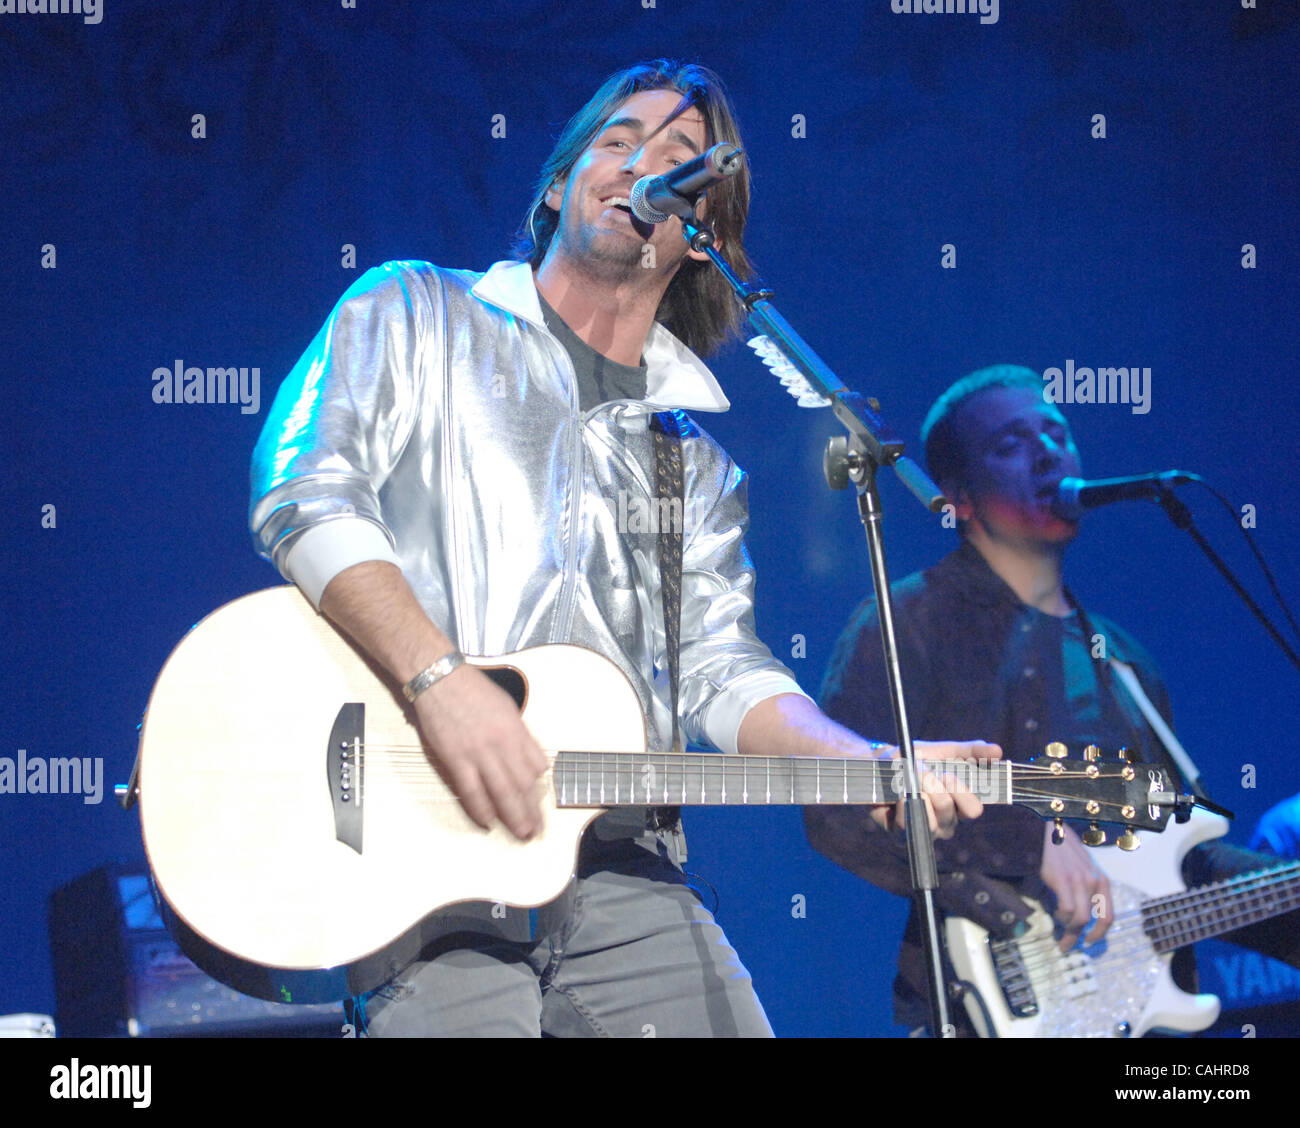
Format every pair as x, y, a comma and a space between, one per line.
599, 378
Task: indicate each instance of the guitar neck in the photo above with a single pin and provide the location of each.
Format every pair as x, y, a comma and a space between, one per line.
693, 779
1182, 919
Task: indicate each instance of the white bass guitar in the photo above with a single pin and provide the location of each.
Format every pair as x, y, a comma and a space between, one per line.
1120, 986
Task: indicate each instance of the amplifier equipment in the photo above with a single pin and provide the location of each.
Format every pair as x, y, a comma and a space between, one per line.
117, 972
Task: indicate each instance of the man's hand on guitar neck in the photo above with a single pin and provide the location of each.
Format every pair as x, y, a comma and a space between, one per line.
474, 732
790, 725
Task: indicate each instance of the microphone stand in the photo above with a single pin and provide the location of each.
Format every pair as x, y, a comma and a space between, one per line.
857, 457
1181, 517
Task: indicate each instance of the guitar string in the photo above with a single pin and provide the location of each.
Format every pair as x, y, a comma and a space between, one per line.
1058, 971
414, 755
1122, 940
417, 755
1225, 911
638, 761
417, 751
1044, 954
1174, 908
416, 758
1049, 970
1233, 893
1187, 898
1236, 902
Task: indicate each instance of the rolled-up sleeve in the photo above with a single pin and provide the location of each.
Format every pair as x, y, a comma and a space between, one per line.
725, 670
338, 426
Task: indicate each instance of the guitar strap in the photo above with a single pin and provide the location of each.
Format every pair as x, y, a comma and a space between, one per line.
670, 483
1172, 744
1105, 667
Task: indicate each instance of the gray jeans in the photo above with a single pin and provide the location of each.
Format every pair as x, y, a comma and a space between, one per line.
628, 951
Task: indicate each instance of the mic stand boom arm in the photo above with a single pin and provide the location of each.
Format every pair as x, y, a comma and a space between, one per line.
857, 457
1181, 517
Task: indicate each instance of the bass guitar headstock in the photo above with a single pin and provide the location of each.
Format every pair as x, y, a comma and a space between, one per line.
1102, 791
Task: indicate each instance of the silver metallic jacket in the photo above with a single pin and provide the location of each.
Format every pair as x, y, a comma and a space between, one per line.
436, 404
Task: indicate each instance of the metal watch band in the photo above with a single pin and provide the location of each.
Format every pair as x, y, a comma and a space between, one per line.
435, 673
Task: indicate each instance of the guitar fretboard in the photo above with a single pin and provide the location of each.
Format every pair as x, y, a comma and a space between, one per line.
1175, 921
614, 779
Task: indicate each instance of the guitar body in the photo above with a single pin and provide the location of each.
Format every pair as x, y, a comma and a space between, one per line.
241, 825
1118, 987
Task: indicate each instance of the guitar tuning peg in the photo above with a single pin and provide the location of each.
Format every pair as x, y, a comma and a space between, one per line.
1128, 841
1091, 752
1056, 750
1058, 831
1094, 836
1124, 754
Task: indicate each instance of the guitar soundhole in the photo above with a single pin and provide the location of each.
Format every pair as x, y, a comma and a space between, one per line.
511, 680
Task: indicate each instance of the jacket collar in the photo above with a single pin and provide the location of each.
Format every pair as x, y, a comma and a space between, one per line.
967, 568
675, 376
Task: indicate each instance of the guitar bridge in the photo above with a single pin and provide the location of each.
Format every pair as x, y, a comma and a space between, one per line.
345, 767
1013, 977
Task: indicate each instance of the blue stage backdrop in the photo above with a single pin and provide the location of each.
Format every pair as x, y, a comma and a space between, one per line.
1067, 183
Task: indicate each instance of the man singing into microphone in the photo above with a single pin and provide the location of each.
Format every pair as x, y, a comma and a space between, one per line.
992, 642
448, 470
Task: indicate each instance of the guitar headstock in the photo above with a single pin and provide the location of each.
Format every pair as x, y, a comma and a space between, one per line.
1102, 791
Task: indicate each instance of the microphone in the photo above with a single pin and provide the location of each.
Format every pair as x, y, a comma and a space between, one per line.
1074, 495
656, 199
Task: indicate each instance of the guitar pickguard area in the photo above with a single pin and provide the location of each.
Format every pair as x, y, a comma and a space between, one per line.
1099, 990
